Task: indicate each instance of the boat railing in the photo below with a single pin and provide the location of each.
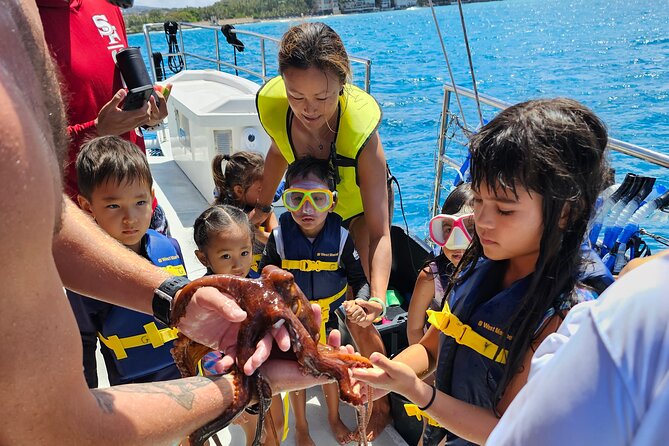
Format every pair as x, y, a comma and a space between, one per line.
261, 75
447, 120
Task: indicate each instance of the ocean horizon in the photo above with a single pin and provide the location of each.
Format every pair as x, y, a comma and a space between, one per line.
610, 55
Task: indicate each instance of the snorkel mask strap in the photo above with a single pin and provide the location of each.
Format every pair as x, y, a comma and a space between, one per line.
334, 164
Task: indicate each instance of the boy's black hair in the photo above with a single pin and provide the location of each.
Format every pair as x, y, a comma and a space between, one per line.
219, 218
555, 148
110, 158
320, 168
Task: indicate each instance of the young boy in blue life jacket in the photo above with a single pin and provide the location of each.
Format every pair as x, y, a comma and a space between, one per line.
311, 244
115, 187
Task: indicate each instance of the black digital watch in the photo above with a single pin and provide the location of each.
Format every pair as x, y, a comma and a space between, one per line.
163, 297
265, 209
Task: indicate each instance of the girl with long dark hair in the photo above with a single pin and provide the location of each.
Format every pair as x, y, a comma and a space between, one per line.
536, 173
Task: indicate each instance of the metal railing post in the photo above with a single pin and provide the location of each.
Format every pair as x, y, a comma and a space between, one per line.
149, 48
441, 146
183, 52
218, 52
263, 65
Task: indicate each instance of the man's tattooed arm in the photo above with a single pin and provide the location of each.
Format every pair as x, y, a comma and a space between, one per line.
182, 391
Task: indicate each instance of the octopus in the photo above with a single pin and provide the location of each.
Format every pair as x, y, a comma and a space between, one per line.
272, 298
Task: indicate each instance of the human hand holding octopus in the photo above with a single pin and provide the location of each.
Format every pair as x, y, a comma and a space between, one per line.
213, 319
271, 303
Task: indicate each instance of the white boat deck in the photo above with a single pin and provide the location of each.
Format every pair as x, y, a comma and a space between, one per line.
182, 203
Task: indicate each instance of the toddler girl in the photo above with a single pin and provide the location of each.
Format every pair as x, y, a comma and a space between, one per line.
224, 239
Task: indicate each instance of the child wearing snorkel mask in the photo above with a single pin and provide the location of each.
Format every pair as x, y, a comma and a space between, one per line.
452, 231
536, 171
311, 244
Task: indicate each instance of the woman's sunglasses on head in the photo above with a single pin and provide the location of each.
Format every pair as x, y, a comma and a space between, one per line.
320, 199
453, 232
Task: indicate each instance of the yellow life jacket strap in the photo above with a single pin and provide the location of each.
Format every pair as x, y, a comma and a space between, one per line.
152, 336
309, 265
413, 411
257, 257
450, 325
324, 303
256, 262
175, 270
286, 411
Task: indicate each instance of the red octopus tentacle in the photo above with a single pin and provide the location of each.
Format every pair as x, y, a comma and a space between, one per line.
241, 397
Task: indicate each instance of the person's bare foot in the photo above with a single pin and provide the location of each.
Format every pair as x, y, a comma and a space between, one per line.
341, 433
302, 437
379, 419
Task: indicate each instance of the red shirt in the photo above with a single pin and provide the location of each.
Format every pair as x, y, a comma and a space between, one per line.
84, 37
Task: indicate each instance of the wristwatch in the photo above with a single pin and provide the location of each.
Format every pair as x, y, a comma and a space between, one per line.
265, 209
163, 297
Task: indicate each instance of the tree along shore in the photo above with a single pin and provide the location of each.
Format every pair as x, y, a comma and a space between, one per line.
233, 11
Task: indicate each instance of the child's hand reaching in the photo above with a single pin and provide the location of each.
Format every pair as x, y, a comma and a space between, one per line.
354, 312
393, 376
286, 375
261, 235
362, 312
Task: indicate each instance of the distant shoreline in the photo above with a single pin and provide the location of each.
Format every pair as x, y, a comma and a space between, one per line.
236, 21
247, 20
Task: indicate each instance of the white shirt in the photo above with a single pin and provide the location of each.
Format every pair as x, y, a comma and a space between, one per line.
603, 378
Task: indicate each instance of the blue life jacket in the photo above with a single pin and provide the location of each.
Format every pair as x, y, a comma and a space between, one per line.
123, 323
291, 244
461, 371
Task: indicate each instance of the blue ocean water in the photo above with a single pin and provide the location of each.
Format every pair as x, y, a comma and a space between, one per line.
609, 54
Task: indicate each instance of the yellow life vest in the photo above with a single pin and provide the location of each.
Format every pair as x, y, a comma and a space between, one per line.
463, 334
360, 116
413, 411
325, 302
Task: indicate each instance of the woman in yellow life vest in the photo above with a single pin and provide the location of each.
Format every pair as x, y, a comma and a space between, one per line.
311, 109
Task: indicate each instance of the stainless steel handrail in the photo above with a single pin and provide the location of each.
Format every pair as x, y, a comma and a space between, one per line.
148, 27
657, 158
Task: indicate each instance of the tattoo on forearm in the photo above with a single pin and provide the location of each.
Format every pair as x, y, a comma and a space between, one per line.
182, 391
104, 400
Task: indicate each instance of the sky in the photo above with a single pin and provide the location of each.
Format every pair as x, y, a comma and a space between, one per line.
174, 3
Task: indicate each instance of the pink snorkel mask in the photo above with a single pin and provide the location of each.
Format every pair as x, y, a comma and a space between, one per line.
453, 232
